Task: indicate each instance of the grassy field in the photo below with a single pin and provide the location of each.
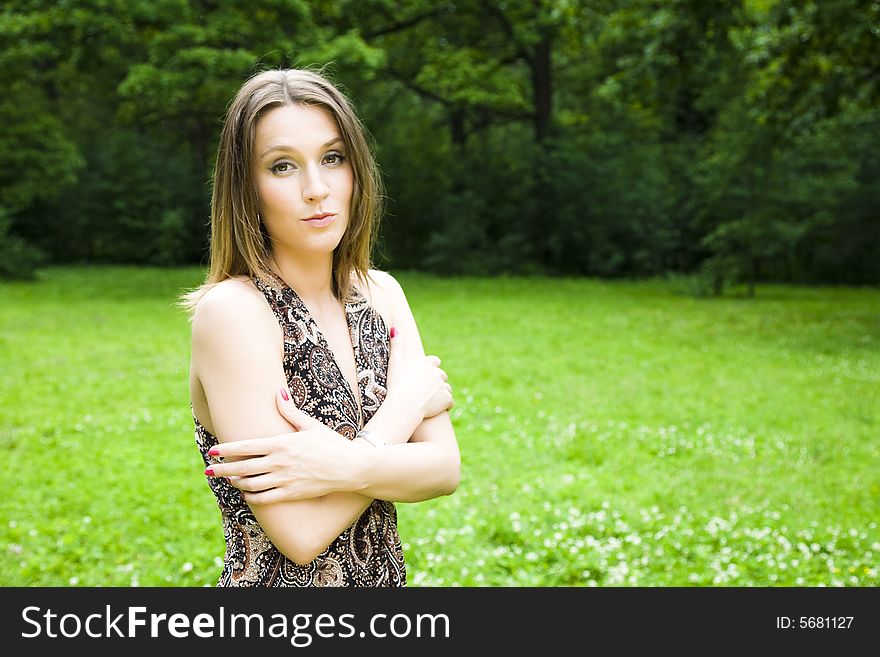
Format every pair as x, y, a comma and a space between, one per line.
612, 434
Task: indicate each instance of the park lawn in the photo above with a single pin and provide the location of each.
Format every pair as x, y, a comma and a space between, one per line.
612, 434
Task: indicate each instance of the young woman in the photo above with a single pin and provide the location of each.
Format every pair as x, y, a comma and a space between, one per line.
314, 404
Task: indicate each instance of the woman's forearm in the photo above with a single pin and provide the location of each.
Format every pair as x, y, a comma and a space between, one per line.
395, 420
409, 472
406, 470
412, 472
303, 529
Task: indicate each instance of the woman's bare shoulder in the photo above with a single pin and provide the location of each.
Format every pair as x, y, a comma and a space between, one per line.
232, 302
383, 292
235, 291
383, 283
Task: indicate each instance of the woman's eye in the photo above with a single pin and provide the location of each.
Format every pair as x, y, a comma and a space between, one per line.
334, 158
282, 167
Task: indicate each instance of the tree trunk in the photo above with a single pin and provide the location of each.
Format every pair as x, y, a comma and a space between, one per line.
753, 275
456, 126
542, 86
717, 283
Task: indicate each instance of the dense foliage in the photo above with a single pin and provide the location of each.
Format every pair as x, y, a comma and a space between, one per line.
739, 140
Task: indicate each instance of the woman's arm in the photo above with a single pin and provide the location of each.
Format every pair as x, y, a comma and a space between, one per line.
429, 464
421, 459
280, 467
237, 359
315, 460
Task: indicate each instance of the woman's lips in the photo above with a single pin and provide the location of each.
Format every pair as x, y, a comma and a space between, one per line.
321, 220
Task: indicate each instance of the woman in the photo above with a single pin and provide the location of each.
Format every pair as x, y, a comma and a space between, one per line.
311, 419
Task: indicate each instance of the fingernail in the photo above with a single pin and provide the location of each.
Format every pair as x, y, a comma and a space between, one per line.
284, 394
209, 472
214, 451
393, 332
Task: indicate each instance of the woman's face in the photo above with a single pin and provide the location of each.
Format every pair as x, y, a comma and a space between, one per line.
302, 172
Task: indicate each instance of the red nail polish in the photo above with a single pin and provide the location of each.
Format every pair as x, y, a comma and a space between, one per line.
209, 472
393, 332
214, 451
284, 394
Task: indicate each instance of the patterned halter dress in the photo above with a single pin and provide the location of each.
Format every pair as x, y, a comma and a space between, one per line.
369, 552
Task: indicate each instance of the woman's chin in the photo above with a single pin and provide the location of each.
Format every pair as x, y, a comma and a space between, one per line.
320, 244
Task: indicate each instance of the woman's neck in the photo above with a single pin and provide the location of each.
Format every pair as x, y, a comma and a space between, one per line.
310, 278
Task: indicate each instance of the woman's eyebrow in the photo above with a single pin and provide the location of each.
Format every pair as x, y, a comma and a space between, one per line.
286, 147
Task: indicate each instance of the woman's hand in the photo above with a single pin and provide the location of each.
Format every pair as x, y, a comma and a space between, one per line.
310, 462
418, 382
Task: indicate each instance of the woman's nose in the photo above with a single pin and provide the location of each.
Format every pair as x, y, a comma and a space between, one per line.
315, 188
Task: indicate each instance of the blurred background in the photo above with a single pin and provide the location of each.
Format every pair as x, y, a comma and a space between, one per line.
734, 141
644, 237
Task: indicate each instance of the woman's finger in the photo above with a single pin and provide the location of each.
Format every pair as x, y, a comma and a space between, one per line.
249, 447
265, 497
244, 468
298, 418
255, 484
395, 350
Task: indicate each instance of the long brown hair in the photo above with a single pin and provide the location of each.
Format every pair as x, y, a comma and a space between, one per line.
238, 244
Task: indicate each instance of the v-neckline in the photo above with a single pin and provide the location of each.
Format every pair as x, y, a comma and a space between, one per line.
357, 397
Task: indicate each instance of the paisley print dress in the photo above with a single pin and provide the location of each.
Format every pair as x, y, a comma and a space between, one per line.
369, 552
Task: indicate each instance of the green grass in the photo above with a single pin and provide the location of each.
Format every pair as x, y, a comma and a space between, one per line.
612, 433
